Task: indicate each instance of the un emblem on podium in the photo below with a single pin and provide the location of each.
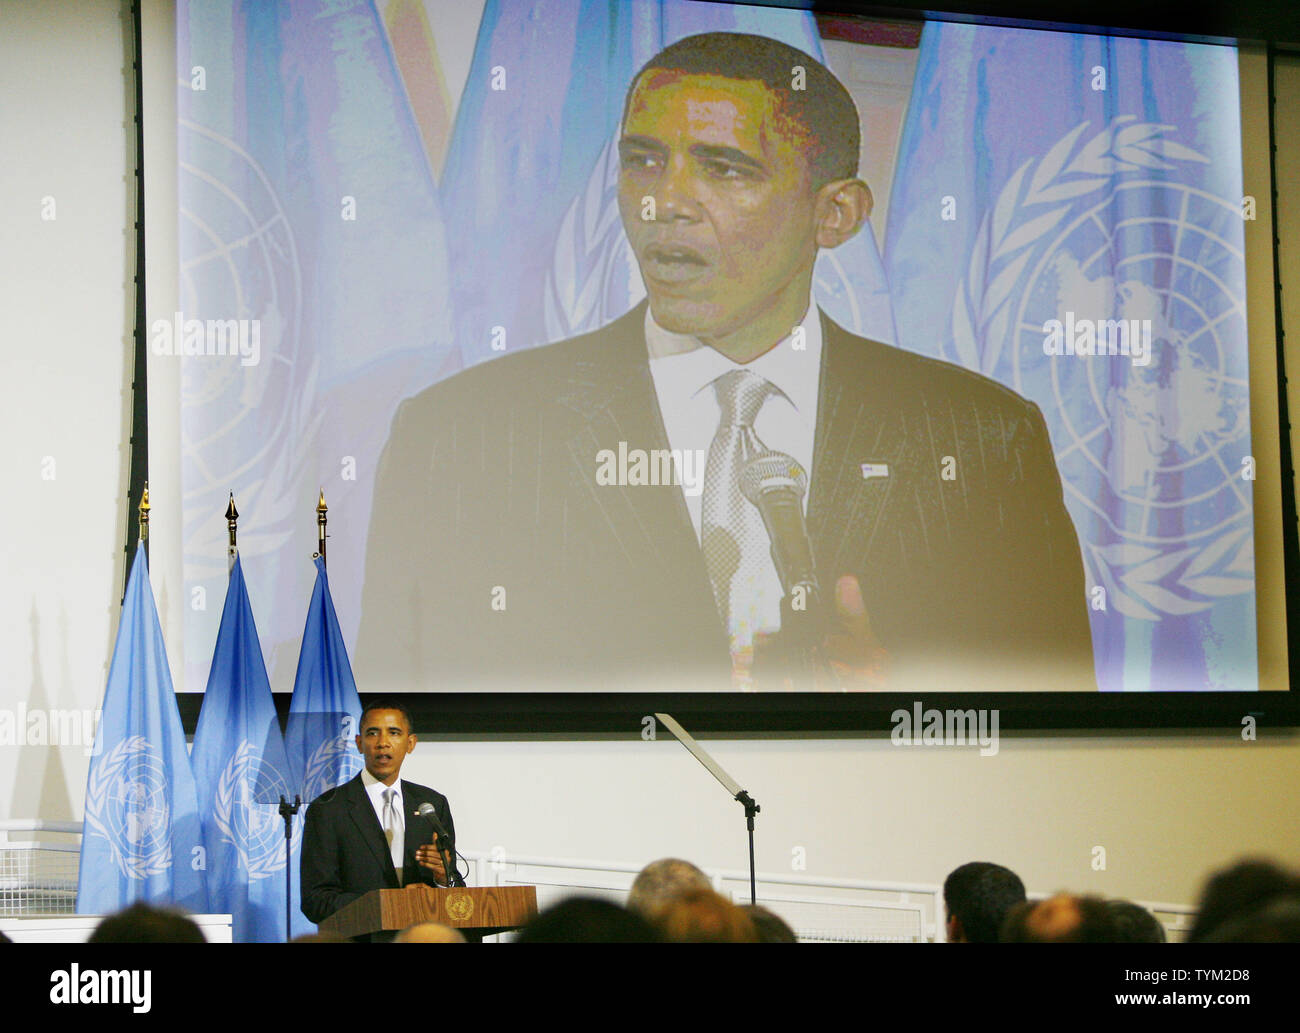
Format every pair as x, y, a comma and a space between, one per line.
460, 906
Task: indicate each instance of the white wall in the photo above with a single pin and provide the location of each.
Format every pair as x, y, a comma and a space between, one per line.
65, 397
1166, 808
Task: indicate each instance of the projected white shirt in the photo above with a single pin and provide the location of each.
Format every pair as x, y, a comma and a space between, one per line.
684, 370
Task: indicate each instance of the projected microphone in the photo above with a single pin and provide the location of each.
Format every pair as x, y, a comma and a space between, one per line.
776, 484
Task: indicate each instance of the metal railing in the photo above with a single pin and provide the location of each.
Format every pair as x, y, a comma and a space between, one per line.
39, 876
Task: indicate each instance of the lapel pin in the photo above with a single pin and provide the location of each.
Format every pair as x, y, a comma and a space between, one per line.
870, 470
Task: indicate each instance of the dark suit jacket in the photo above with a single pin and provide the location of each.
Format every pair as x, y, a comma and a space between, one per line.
487, 493
345, 854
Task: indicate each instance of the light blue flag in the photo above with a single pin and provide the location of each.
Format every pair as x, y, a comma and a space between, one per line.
1096, 183
529, 190
242, 772
142, 838
325, 711
307, 205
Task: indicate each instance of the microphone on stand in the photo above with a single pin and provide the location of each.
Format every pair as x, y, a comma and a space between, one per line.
776, 484
429, 812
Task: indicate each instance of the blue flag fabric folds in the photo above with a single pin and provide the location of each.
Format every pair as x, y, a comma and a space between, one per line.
242, 772
143, 839
307, 206
325, 712
1056, 190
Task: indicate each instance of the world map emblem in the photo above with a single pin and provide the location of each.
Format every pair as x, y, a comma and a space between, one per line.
246, 811
331, 764
1151, 448
240, 260
127, 804
460, 906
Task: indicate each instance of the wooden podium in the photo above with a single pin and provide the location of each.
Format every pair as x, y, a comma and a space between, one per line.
484, 909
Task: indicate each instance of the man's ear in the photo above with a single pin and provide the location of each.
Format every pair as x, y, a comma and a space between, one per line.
410, 743
840, 210
359, 749
956, 934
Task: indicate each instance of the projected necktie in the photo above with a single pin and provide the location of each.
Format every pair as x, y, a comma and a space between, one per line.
735, 544
394, 831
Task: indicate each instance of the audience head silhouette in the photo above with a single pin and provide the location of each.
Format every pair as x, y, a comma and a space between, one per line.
587, 920
143, 923
977, 897
660, 881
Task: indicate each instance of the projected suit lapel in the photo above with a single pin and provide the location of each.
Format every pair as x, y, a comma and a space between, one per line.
614, 395
856, 423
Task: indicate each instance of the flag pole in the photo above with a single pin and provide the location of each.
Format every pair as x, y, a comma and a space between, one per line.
232, 521
321, 521
289, 810
144, 514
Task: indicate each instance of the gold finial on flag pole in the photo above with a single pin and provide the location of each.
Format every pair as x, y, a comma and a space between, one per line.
144, 513
232, 519
321, 521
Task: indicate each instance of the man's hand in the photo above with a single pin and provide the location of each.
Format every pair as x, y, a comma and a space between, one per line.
855, 654
856, 659
429, 858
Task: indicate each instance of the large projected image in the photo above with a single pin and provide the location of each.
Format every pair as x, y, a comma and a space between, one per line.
699, 347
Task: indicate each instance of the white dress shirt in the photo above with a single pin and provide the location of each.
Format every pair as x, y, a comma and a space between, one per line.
376, 789
684, 368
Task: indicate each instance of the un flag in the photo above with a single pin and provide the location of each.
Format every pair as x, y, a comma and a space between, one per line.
142, 838
242, 772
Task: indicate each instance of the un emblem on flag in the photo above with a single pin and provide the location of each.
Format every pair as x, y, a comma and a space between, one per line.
332, 763
240, 257
247, 811
1142, 279
127, 804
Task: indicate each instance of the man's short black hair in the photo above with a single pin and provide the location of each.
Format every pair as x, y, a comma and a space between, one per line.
772, 928
980, 894
587, 920
387, 704
1278, 921
1135, 924
1237, 891
143, 923
823, 108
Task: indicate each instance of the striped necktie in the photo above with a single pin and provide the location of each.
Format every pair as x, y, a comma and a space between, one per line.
735, 543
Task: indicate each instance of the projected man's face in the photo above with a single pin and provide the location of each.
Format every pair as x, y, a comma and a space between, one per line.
717, 201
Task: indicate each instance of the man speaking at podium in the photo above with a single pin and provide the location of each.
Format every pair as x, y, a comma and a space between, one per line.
367, 834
